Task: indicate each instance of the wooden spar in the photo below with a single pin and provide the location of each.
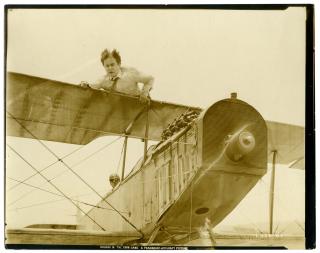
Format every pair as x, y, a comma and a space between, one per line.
146, 136
272, 183
125, 144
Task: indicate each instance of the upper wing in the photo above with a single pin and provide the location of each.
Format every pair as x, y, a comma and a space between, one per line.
56, 111
288, 141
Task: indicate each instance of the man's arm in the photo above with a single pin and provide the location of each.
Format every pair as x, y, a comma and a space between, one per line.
147, 84
96, 85
146, 80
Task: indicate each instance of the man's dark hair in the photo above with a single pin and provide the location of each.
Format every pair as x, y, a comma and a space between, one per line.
114, 53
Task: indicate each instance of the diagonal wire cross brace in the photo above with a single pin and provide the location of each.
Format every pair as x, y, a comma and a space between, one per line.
78, 176
55, 186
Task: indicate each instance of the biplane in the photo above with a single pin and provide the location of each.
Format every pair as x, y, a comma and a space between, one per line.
204, 163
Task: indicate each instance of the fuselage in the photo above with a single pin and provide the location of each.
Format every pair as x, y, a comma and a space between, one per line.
199, 173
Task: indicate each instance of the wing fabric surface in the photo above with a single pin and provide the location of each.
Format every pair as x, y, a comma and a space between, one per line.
56, 111
288, 141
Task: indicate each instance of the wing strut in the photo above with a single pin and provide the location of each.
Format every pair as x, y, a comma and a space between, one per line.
274, 155
125, 144
146, 135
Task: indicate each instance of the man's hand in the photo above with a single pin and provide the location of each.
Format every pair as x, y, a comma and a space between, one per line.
144, 98
84, 84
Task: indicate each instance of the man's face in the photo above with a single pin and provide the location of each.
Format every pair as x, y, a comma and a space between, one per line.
111, 66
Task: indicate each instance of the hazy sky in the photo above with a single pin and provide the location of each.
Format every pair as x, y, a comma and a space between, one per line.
196, 56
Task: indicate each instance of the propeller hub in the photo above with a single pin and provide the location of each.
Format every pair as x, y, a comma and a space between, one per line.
246, 142
240, 145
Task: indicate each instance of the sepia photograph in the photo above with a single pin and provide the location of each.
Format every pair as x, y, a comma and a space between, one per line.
157, 127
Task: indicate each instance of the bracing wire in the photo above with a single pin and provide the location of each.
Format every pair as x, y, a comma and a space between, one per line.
139, 182
56, 194
60, 159
95, 152
77, 175
86, 158
91, 130
45, 178
33, 186
78, 195
253, 224
41, 143
280, 204
119, 162
31, 176
22, 196
37, 204
63, 172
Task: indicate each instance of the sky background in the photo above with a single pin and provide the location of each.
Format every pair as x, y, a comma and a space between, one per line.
196, 57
